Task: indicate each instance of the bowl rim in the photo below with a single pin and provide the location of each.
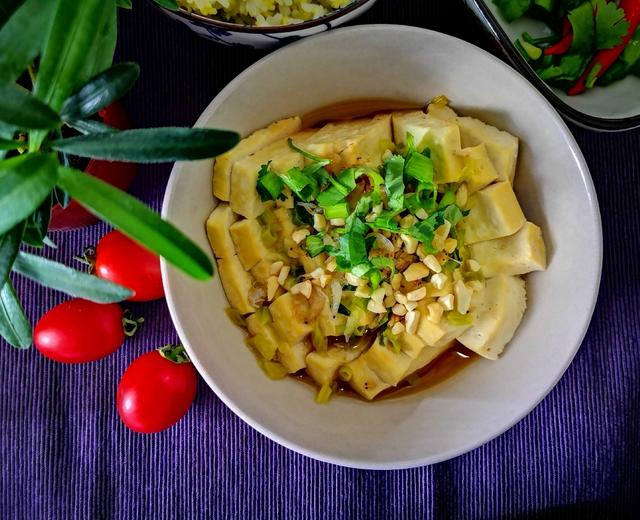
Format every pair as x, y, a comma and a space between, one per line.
602, 124
265, 29
399, 463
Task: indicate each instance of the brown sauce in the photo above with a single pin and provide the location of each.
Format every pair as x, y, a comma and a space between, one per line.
352, 109
444, 367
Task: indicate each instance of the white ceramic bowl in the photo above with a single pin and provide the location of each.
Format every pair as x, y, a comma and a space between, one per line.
265, 37
554, 187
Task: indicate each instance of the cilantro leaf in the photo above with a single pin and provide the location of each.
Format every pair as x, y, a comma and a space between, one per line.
308, 155
583, 26
314, 245
611, 24
512, 9
304, 186
269, 185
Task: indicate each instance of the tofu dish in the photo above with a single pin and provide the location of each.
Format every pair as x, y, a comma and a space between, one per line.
358, 253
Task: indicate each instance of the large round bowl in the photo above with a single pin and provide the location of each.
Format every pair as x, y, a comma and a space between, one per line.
552, 183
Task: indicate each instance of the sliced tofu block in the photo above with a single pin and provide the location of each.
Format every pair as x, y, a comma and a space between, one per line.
323, 368
494, 213
514, 255
249, 145
218, 225
502, 147
497, 311
236, 283
427, 355
247, 237
441, 137
331, 325
290, 315
390, 366
364, 380
353, 143
294, 358
244, 175
478, 168
437, 335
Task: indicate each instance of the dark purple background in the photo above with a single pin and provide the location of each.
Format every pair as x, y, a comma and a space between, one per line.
64, 453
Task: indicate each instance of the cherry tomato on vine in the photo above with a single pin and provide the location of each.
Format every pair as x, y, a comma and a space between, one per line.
156, 390
77, 331
121, 260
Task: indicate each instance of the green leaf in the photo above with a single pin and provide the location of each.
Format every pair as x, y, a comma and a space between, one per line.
89, 126
9, 247
314, 245
583, 26
312, 157
137, 221
21, 38
10, 144
37, 224
149, 145
69, 57
340, 210
19, 108
304, 186
105, 44
512, 9
7, 8
100, 91
611, 25
26, 180
418, 167
269, 185
124, 4
393, 179
168, 4
14, 326
62, 278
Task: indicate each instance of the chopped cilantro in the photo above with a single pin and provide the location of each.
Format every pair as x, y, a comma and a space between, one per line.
611, 24
314, 245
304, 186
269, 184
394, 182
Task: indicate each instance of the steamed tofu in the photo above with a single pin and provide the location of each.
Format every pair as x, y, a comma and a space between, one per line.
323, 367
390, 366
247, 146
441, 137
364, 380
502, 147
494, 213
353, 143
244, 175
294, 357
247, 238
435, 335
237, 283
520, 253
478, 168
218, 225
291, 317
426, 356
497, 311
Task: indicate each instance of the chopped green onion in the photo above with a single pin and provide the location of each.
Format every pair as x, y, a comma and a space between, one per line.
304, 186
419, 167
324, 394
308, 155
448, 198
455, 318
394, 182
340, 210
314, 245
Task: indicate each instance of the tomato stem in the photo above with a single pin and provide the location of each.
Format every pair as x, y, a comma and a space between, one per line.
88, 258
174, 353
130, 324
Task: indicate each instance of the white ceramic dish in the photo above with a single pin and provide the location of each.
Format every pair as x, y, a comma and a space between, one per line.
613, 108
553, 184
265, 37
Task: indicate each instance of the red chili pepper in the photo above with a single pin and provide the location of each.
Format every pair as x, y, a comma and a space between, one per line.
566, 26
607, 57
561, 47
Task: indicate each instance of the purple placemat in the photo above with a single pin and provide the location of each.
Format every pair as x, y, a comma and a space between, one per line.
64, 453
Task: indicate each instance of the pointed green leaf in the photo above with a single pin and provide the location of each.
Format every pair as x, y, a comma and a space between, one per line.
26, 180
105, 45
14, 326
37, 224
137, 221
7, 8
10, 144
150, 145
101, 91
9, 247
62, 278
69, 56
22, 37
19, 108
89, 126
172, 5
125, 4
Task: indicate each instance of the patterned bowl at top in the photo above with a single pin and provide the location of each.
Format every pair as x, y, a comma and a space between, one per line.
265, 37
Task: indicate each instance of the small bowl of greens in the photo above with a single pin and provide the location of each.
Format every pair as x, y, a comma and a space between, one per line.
583, 55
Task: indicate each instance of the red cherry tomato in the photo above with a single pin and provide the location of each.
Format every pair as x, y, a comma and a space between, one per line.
77, 331
118, 174
154, 392
121, 260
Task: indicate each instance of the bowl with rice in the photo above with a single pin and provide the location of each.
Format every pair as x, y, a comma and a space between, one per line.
263, 24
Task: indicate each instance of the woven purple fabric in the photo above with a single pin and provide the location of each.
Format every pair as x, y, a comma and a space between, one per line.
64, 453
